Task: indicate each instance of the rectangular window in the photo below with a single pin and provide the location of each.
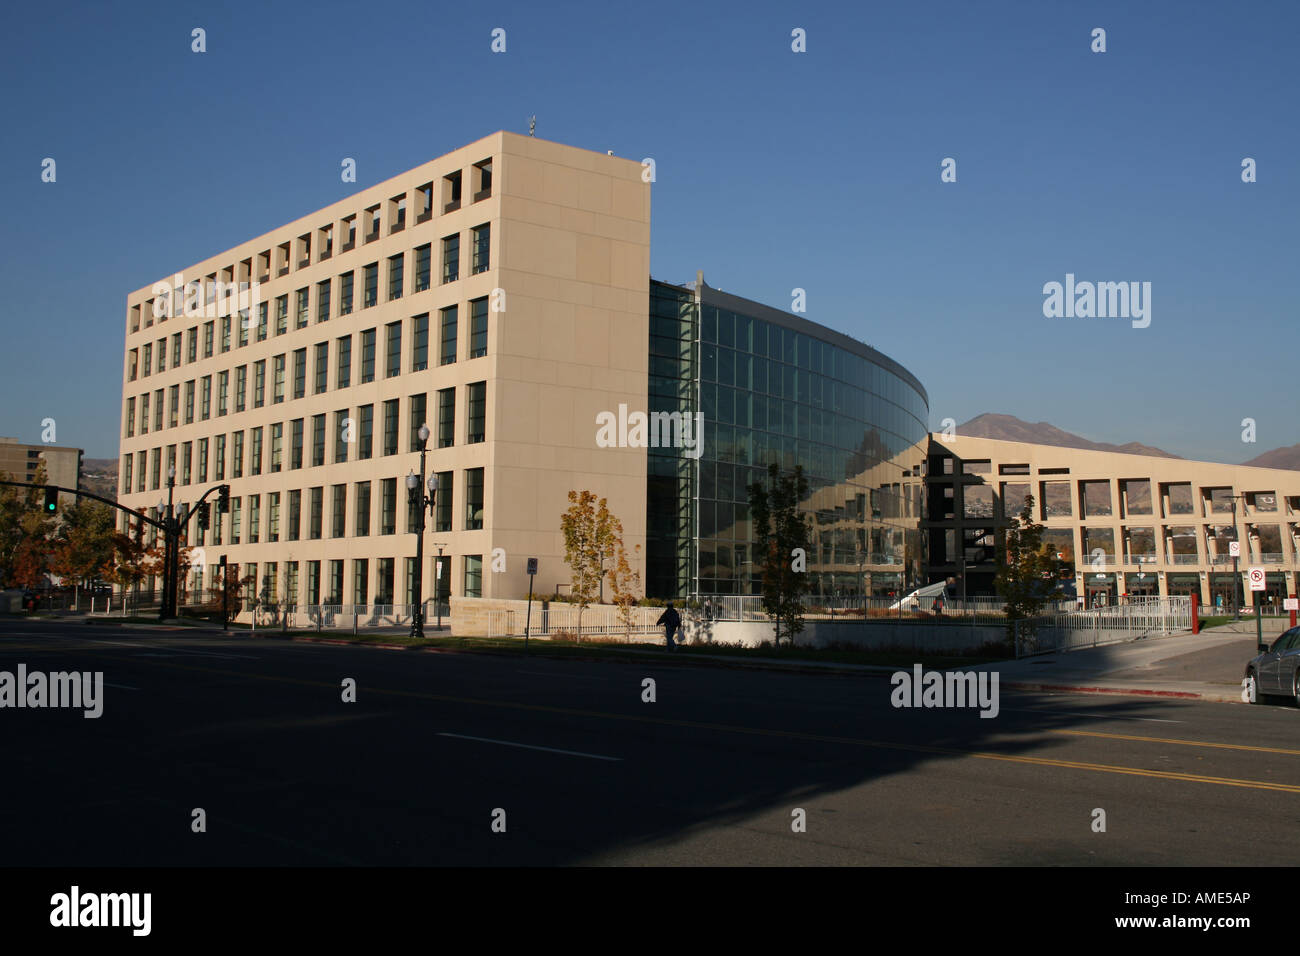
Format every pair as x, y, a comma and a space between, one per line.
473, 499
237, 455
144, 414
254, 518
158, 410
321, 367
317, 440
370, 286
236, 519
282, 314
367, 356
277, 442
448, 337
277, 381
344, 377
273, 516
360, 582
388, 506
473, 575
342, 432
192, 344
263, 323
132, 364
241, 384
225, 333
148, 360
315, 509
420, 343
176, 350
186, 458
203, 460
130, 422
245, 323
451, 192
219, 459
390, 427
478, 321
223, 392
294, 517
339, 511
323, 300
393, 356
476, 412
255, 451
450, 258
419, 411
363, 509
422, 257
345, 293
482, 180
304, 308
367, 433
295, 443
446, 417
208, 331
259, 383
162, 355
396, 269
442, 512
335, 583
482, 242
299, 373
127, 461
205, 398
173, 406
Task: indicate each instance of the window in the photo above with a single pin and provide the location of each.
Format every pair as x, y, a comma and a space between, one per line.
255, 452
132, 361
294, 518
393, 355
388, 506
390, 427
420, 342
144, 414
446, 417
370, 287
203, 460
336, 582
473, 575
173, 406
236, 518
127, 461
277, 441
321, 366
186, 458
130, 424
273, 516
304, 308
148, 360
482, 180
158, 410
473, 499
140, 470
396, 266
342, 432
162, 355
277, 382
299, 373
476, 412
156, 470
399, 222
317, 440
345, 293
189, 402
363, 509
422, 257
207, 342
450, 259
448, 324
223, 392
418, 405
191, 345
282, 314
372, 223
237, 456
225, 334
254, 518
367, 433
219, 459
482, 240
315, 508
349, 233
205, 398
241, 383
451, 192
244, 325
344, 377
367, 356
259, 383
295, 443
323, 300
478, 311
338, 511
176, 350
424, 202
313, 583
263, 323
360, 581
442, 513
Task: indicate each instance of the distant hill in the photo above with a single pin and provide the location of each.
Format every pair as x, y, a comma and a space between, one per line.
1010, 428
99, 475
1278, 458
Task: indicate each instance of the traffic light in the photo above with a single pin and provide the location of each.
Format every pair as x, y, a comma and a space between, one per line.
223, 499
203, 516
51, 500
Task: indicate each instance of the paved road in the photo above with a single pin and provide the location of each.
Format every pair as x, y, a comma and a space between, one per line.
255, 732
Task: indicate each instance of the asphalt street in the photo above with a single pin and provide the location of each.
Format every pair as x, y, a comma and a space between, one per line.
415, 771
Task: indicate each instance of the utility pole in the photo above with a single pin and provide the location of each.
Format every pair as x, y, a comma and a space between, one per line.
422, 502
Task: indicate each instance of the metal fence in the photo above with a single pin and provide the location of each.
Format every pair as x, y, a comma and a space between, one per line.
730, 607
1114, 624
559, 619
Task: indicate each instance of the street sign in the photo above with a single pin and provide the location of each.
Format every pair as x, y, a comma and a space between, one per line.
1234, 549
1291, 604
532, 565
1256, 579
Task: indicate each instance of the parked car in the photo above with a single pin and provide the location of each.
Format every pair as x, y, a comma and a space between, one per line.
1277, 670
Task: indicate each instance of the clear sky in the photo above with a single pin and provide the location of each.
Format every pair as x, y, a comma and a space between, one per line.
774, 170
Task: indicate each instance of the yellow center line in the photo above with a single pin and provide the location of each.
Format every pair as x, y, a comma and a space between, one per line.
756, 731
1185, 743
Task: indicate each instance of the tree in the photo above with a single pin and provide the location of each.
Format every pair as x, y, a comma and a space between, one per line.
781, 547
127, 569
624, 584
591, 537
1026, 578
154, 563
84, 544
25, 533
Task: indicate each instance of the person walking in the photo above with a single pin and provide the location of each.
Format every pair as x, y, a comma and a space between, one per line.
670, 620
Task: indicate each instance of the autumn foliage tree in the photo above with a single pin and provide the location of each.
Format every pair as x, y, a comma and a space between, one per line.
592, 538
781, 547
25, 533
1026, 578
84, 545
624, 583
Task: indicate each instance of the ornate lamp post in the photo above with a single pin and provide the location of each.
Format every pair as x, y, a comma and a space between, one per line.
416, 496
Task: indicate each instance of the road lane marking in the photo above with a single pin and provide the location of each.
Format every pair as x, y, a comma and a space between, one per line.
756, 731
120, 686
1185, 743
507, 743
1068, 713
570, 676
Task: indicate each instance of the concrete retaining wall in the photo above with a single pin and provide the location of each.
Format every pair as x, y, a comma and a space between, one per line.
875, 635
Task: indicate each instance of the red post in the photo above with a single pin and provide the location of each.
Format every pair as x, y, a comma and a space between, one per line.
1293, 612
1196, 616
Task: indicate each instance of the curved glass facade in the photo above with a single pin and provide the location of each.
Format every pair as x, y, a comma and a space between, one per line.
775, 388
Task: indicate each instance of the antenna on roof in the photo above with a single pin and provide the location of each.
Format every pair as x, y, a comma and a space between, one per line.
532, 124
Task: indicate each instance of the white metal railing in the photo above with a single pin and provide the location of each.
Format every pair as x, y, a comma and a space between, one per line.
1111, 624
557, 617
749, 607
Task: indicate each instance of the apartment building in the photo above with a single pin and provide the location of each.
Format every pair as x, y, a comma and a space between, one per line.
62, 465
497, 293
1124, 524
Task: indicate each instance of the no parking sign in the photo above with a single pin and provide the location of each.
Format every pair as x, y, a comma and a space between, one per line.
1256, 579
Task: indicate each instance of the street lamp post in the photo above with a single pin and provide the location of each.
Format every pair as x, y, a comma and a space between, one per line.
165, 606
1236, 582
416, 496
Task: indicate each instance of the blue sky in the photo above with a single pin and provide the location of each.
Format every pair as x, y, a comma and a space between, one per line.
775, 170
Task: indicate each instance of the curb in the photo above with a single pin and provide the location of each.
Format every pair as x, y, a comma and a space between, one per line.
1125, 691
